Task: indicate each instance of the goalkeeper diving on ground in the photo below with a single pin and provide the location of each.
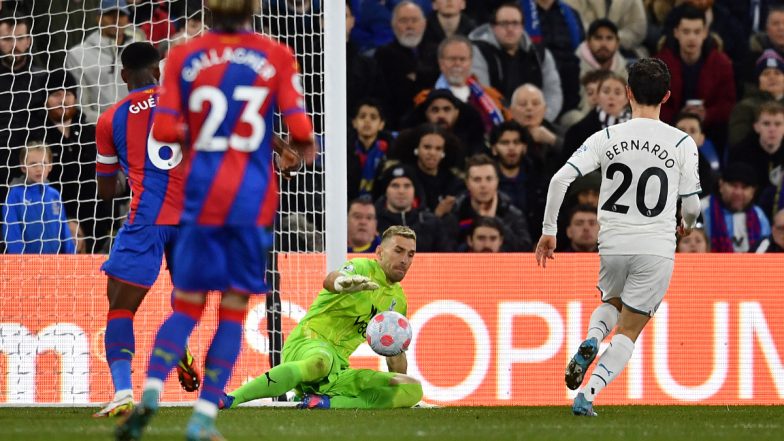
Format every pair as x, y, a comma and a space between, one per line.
315, 355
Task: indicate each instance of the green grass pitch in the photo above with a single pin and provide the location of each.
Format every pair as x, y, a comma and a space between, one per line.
628, 423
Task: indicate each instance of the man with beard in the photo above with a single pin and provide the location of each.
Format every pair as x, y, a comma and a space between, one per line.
486, 236
22, 95
408, 65
600, 51
362, 226
733, 222
520, 178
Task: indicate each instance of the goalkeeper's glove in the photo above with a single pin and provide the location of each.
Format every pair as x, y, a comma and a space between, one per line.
354, 284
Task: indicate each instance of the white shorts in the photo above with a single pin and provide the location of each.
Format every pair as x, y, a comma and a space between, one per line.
640, 281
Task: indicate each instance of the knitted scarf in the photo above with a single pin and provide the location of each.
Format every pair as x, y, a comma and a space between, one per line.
490, 113
369, 161
608, 120
533, 27
721, 241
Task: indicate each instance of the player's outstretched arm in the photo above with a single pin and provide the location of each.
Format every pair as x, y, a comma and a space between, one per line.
398, 363
338, 282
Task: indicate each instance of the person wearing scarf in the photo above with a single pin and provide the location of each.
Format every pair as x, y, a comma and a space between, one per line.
733, 222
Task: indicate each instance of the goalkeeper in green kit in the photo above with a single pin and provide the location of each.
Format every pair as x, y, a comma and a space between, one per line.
315, 356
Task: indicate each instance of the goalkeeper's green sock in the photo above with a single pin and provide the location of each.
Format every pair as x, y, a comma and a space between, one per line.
387, 397
280, 379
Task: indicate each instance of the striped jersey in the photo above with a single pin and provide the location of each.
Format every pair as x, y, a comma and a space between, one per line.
124, 138
226, 87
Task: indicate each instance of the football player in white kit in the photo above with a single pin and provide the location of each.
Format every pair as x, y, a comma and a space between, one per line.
646, 165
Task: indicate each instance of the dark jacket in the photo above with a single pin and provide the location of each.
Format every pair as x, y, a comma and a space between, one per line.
363, 79
434, 33
715, 85
516, 235
431, 235
528, 192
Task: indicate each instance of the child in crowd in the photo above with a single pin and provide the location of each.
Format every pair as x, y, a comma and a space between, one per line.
34, 221
368, 150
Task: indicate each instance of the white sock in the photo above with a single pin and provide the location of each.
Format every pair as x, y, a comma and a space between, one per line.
609, 366
603, 320
153, 384
206, 408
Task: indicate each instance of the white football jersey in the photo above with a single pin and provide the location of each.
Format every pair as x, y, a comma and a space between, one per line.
645, 165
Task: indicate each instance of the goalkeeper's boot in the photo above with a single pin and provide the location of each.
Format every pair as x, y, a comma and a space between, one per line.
583, 407
119, 406
225, 401
202, 428
313, 401
132, 427
578, 365
187, 373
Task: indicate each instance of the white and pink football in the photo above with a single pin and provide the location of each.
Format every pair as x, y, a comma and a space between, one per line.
389, 333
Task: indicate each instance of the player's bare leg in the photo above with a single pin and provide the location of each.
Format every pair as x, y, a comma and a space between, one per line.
124, 300
612, 361
602, 322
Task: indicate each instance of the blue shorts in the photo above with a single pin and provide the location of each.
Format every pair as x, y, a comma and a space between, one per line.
222, 258
138, 251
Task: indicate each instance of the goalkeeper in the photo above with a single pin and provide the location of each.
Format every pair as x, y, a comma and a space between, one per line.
315, 356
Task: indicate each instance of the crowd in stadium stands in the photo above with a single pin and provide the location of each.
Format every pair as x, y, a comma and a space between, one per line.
460, 111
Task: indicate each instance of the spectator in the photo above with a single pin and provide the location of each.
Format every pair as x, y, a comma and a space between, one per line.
771, 38
95, 62
702, 78
770, 75
775, 243
408, 64
583, 230
442, 108
373, 28
447, 19
72, 142
151, 17
486, 236
600, 50
709, 161
193, 27
613, 109
521, 177
506, 58
398, 206
589, 84
554, 25
482, 198
433, 153
34, 221
363, 234
628, 15
368, 150
732, 220
528, 109
696, 242
22, 96
762, 151
454, 62
363, 78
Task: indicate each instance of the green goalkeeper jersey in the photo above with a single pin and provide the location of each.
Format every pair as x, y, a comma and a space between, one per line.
341, 318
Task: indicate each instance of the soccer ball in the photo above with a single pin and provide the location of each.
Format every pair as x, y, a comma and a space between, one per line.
389, 333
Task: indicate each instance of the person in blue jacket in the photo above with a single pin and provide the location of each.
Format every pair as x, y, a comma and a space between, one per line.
34, 221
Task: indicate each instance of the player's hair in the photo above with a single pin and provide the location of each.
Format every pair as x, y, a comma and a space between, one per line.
510, 126
488, 222
593, 76
479, 160
457, 38
33, 146
369, 101
231, 15
768, 108
689, 115
649, 80
365, 199
140, 55
582, 208
398, 230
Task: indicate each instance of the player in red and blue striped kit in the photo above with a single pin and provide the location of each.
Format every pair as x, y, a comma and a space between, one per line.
225, 86
124, 141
